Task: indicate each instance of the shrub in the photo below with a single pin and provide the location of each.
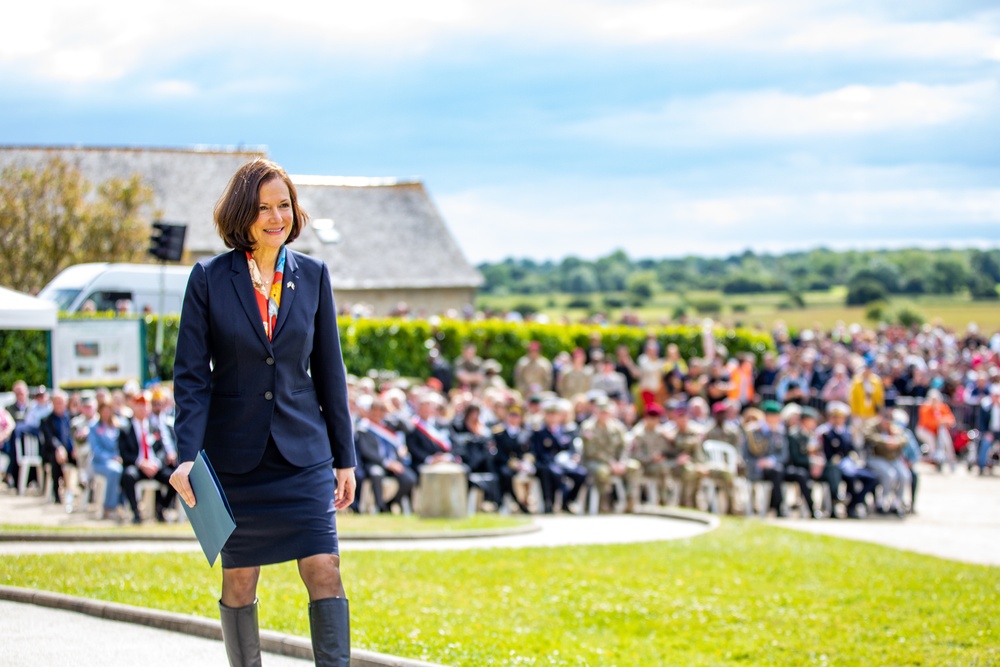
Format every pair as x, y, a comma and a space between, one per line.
402, 346
706, 306
983, 288
580, 302
865, 291
876, 312
909, 318
739, 308
25, 357
525, 308
614, 302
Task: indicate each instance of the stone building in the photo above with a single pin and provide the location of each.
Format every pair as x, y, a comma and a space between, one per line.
383, 239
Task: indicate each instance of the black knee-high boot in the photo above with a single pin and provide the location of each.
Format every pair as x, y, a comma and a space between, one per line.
241, 635
329, 624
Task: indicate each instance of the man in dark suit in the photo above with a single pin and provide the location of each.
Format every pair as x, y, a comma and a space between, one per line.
146, 454
380, 450
513, 455
429, 441
56, 440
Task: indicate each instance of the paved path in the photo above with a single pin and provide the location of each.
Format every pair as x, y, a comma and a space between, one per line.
42, 637
958, 517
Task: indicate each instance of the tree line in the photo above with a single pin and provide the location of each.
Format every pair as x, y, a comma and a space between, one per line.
870, 275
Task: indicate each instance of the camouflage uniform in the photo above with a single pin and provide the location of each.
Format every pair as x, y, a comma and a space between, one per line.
689, 441
530, 373
645, 445
731, 434
604, 444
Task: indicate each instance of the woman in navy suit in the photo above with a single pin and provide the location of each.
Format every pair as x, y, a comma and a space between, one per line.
260, 385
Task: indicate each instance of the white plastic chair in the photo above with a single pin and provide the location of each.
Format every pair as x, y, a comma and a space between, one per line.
145, 493
29, 456
594, 495
476, 494
721, 456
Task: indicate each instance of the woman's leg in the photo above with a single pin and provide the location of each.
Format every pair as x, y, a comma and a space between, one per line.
111, 471
329, 614
238, 609
321, 575
239, 586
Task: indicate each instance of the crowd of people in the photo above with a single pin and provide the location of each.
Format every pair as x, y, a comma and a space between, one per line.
848, 412
123, 436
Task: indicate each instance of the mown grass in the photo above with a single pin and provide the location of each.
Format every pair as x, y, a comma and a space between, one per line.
347, 525
823, 309
747, 594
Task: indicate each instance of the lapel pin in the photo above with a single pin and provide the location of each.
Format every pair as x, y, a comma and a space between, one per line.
290, 285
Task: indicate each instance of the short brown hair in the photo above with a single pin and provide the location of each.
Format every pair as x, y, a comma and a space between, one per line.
236, 210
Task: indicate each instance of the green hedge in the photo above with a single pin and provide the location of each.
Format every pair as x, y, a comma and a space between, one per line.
24, 355
402, 346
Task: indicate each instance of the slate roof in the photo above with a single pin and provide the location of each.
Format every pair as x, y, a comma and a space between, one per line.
388, 234
372, 233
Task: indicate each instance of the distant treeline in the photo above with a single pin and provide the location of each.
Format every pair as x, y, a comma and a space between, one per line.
886, 272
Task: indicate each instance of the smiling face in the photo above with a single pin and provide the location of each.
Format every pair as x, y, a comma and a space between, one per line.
274, 216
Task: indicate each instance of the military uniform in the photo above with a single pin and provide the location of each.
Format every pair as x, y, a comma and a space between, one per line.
575, 381
604, 444
688, 441
885, 446
513, 455
650, 449
765, 444
730, 434
838, 446
797, 465
532, 374
553, 452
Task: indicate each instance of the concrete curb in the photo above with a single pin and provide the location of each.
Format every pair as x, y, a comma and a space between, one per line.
271, 642
65, 536
705, 518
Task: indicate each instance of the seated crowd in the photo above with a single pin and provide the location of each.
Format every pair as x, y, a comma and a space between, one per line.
850, 411
847, 413
123, 437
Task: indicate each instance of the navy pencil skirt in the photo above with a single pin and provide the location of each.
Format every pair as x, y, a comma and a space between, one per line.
282, 512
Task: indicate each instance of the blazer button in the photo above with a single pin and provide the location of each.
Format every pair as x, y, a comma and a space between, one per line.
268, 395
269, 361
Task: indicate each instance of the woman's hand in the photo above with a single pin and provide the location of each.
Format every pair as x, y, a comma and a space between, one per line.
343, 496
179, 480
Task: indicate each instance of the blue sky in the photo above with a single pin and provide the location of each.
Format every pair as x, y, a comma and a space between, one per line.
559, 127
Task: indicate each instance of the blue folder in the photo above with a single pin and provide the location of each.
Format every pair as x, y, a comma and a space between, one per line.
211, 516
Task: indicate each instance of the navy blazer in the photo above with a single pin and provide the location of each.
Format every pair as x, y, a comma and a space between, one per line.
234, 388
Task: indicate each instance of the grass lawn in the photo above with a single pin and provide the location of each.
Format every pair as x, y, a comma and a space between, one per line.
347, 525
746, 593
822, 309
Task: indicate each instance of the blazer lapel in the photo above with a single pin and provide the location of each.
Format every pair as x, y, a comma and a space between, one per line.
244, 290
291, 280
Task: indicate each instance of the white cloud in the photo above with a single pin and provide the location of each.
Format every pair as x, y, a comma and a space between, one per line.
173, 88
767, 115
591, 219
113, 37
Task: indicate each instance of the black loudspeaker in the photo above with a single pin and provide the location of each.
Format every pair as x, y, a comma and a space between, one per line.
166, 241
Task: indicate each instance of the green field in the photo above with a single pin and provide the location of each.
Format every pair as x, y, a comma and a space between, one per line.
746, 593
822, 309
